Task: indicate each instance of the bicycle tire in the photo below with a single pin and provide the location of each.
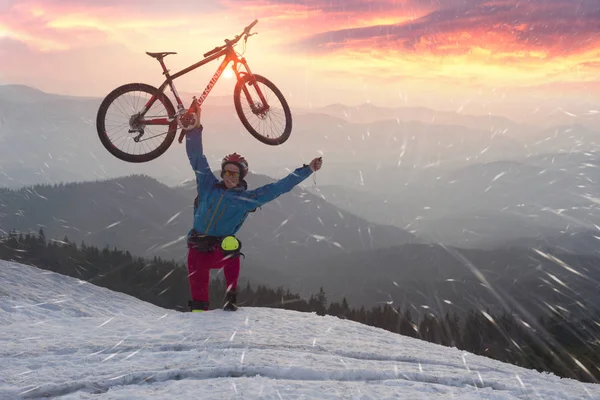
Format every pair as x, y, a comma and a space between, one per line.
237, 97
101, 122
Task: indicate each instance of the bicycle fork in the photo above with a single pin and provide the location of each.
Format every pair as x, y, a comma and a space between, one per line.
262, 107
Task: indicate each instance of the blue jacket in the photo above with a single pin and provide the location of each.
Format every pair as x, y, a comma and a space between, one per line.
222, 211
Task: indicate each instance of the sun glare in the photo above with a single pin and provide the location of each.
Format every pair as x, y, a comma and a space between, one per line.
228, 73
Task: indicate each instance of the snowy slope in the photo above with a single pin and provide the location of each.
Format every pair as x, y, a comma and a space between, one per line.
64, 337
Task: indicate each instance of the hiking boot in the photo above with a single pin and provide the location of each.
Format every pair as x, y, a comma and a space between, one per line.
230, 301
198, 306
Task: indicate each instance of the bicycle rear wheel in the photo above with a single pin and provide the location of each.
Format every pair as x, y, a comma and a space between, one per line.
271, 123
127, 134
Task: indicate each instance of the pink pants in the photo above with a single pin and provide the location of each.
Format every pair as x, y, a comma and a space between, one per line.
199, 266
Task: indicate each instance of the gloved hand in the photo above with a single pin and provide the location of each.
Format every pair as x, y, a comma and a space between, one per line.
190, 120
316, 164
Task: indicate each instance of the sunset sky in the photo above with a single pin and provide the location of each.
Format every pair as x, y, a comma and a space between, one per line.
437, 53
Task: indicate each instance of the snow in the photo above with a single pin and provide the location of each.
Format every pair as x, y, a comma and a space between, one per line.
60, 336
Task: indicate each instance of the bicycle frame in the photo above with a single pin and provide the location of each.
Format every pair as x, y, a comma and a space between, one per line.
230, 56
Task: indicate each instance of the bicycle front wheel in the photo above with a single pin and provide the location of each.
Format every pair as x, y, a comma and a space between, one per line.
263, 110
129, 135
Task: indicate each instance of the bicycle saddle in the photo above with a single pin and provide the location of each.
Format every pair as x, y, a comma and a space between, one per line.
160, 55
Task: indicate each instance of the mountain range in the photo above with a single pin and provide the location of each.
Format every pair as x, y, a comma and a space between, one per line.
47, 138
302, 242
394, 180
150, 219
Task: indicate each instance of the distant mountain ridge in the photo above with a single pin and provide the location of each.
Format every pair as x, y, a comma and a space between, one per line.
448, 183
149, 218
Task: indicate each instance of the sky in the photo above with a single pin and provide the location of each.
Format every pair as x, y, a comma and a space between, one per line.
77, 340
437, 53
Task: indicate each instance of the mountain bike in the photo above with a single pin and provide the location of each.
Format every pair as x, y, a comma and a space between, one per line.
256, 99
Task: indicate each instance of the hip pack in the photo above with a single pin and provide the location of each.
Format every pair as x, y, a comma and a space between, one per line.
203, 243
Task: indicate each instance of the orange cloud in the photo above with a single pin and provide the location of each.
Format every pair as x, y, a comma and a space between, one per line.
302, 19
478, 42
442, 45
556, 27
55, 25
101, 43
484, 42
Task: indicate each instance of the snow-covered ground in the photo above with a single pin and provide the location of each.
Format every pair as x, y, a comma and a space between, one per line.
61, 337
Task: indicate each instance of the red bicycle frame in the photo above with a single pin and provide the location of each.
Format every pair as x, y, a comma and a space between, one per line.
230, 55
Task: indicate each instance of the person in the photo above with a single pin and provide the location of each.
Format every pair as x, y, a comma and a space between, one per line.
220, 209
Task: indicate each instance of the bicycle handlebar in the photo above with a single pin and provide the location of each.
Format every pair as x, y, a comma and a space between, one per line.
228, 42
249, 27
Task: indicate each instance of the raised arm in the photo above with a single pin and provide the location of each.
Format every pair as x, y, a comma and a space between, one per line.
193, 146
266, 193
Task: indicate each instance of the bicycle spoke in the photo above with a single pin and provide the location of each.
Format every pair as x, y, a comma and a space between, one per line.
152, 137
270, 124
119, 116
